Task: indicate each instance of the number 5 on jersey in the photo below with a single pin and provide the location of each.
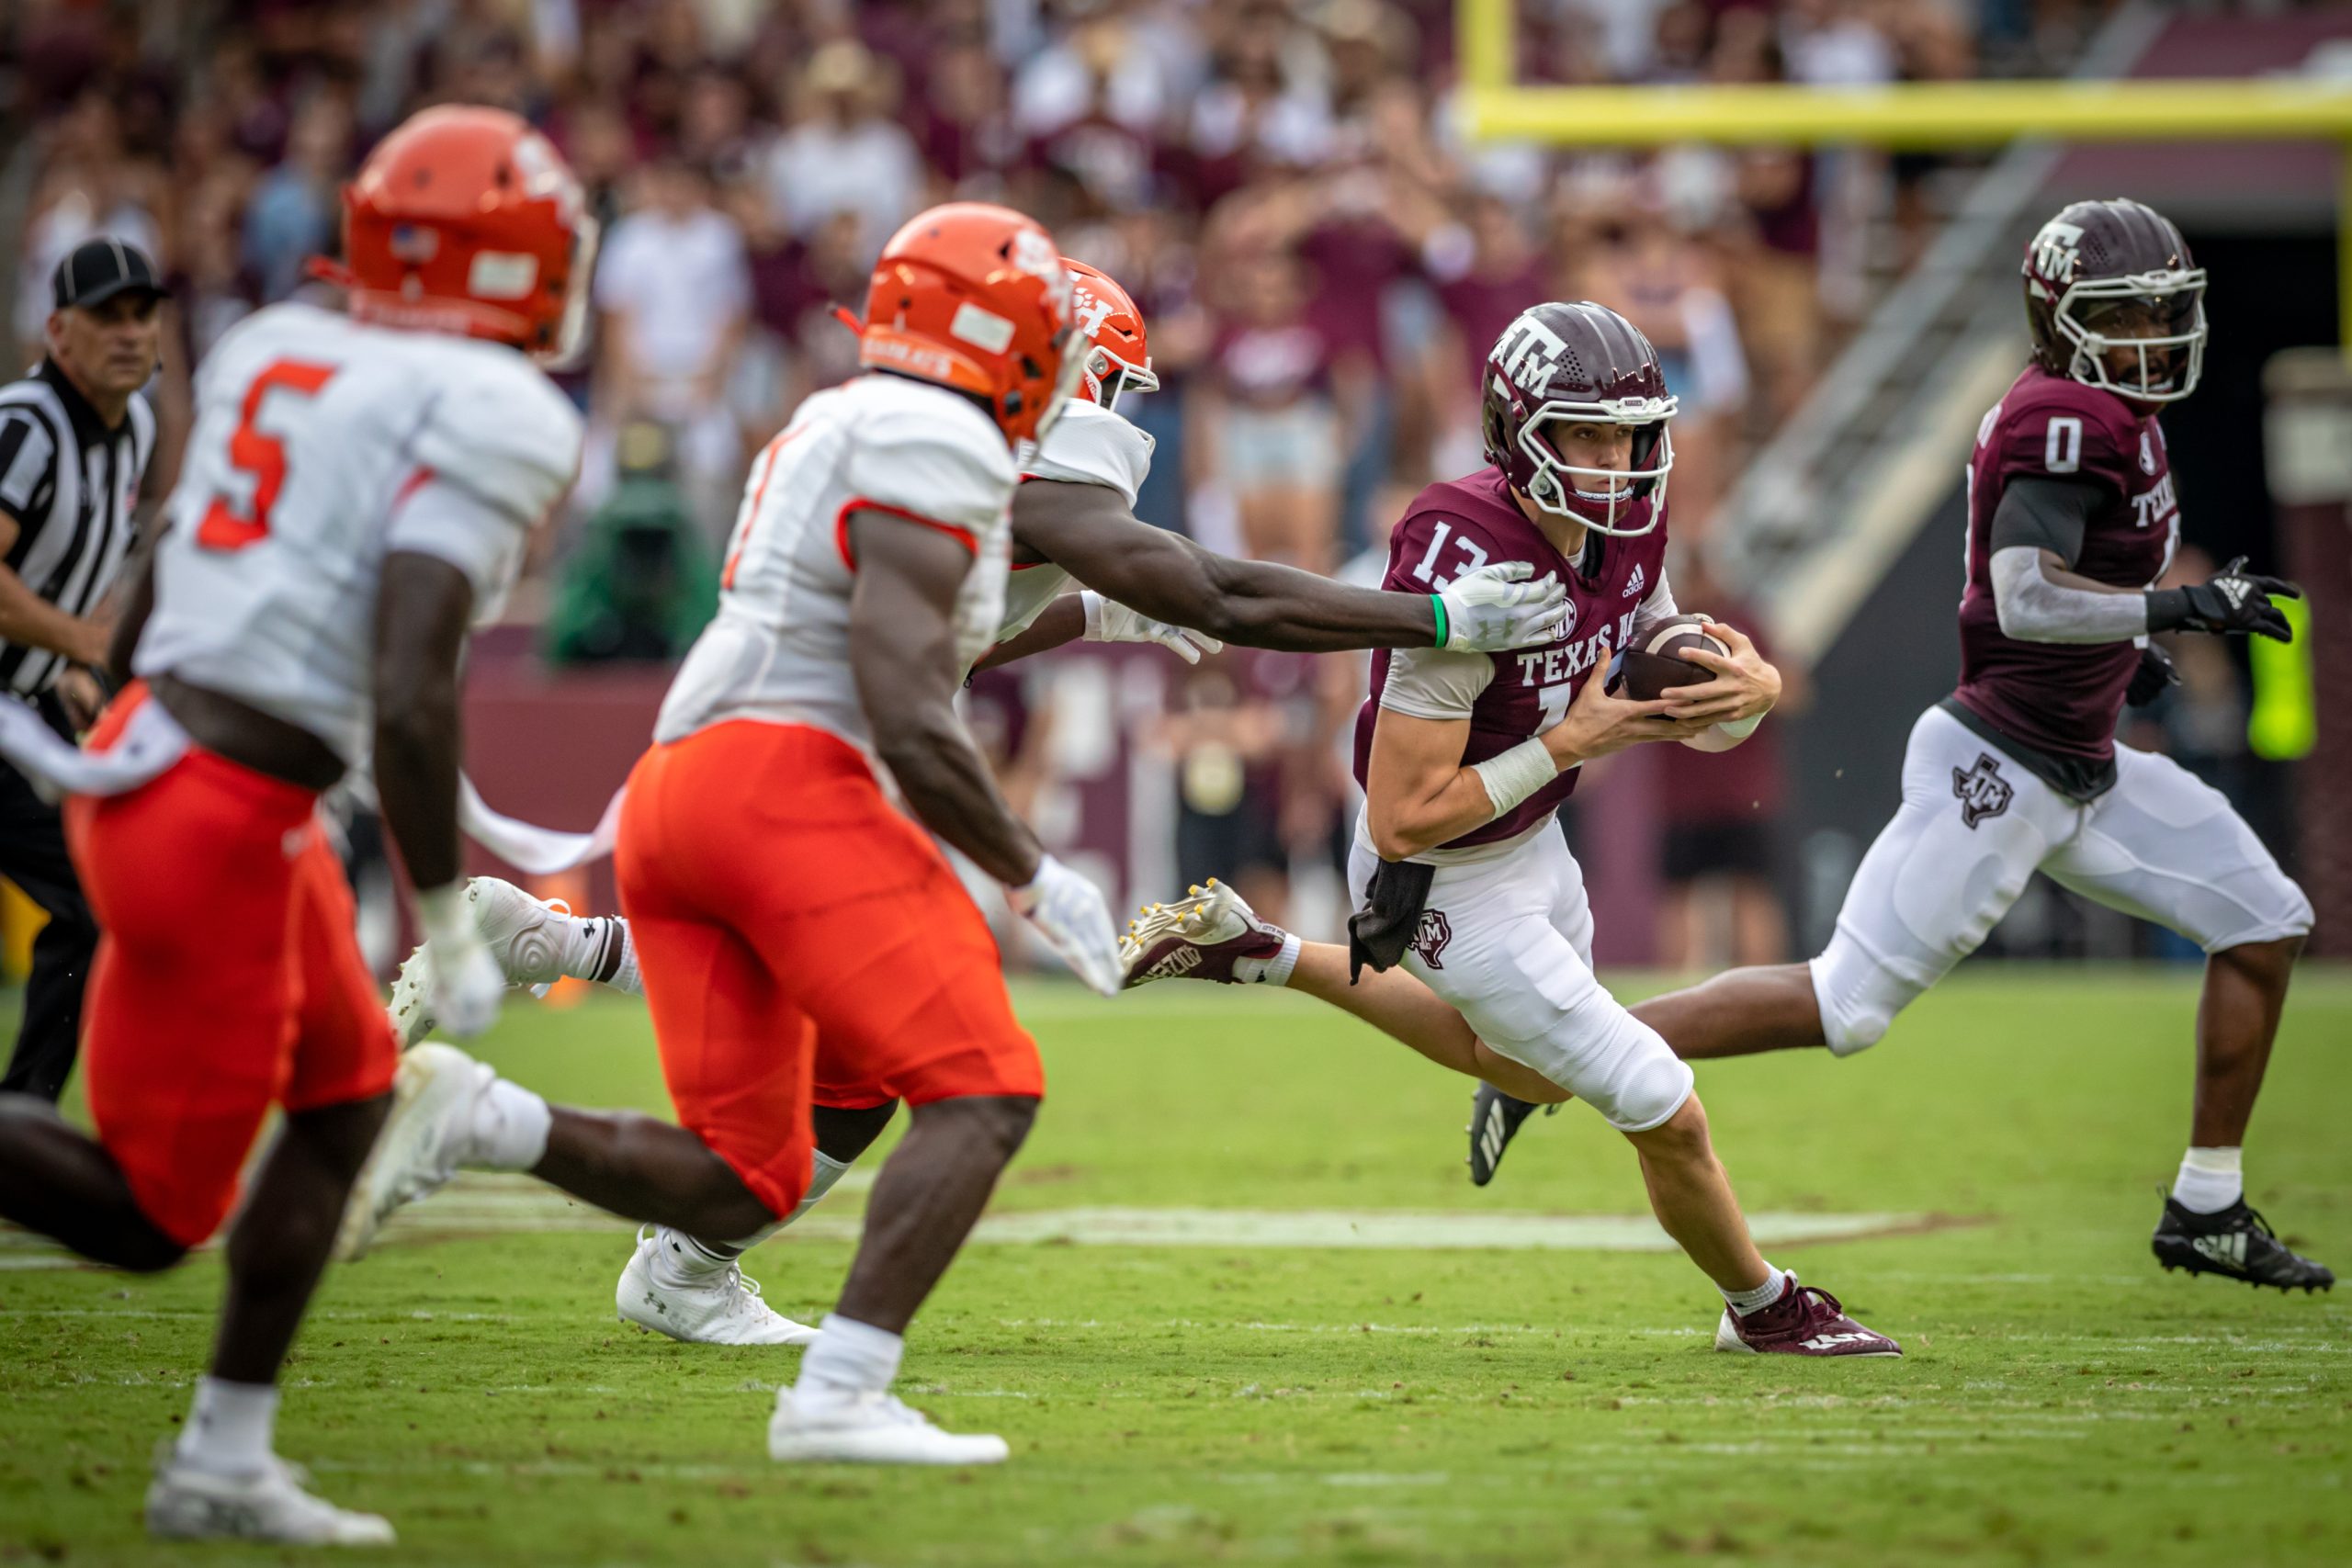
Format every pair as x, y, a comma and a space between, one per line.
255, 451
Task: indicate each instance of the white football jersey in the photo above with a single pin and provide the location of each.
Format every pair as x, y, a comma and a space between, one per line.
779, 648
322, 445
1089, 445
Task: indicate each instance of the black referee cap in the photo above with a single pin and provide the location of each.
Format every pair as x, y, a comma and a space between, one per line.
100, 269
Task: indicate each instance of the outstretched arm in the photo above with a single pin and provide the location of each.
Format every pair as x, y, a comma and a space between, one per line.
2036, 534
1088, 531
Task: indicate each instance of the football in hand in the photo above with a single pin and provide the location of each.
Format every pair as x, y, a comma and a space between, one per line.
1651, 667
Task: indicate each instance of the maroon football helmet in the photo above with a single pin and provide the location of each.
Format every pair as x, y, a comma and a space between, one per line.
1562, 364
2098, 277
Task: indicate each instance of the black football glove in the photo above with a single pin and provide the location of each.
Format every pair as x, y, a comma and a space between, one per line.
2154, 676
2235, 600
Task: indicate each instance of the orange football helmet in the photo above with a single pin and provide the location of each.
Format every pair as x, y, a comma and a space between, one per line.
465, 219
974, 298
1117, 359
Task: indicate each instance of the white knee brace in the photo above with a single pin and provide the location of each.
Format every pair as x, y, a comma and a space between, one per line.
1858, 995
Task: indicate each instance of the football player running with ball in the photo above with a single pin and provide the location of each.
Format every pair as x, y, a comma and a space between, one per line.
1072, 519
2071, 516
358, 489
1475, 913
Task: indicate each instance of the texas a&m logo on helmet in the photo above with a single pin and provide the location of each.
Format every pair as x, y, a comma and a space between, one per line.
1567, 364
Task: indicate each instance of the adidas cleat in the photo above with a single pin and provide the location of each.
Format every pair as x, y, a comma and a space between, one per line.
2237, 1243
1202, 937
1806, 1321
1495, 1121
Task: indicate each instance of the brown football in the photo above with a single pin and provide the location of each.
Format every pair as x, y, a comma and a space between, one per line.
1653, 666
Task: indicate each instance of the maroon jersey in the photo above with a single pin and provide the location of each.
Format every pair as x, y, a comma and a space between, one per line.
2063, 698
1461, 524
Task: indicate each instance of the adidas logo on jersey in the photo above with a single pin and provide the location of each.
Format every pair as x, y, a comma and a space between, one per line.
1634, 584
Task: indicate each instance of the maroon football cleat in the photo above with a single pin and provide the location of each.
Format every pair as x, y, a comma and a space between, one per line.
1197, 938
1806, 1321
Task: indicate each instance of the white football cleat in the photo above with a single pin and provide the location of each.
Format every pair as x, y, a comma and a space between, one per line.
721, 1308
523, 934
870, 1429
423, 1140
187, 1504
1201, 937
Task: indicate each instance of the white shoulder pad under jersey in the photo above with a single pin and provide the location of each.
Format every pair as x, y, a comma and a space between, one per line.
320, 445
1089, 445
881, 447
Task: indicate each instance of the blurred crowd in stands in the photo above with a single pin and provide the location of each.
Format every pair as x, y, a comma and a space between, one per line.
1281, 185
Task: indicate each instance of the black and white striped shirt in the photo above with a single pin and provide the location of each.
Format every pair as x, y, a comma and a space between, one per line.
70, 484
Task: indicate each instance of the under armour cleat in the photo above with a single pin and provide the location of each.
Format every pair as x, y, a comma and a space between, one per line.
422, 1144
870, 1429
2236, 1243
187, 1504
1806, 1321
1495, 1119
720, 1307
527, 936
1201, 937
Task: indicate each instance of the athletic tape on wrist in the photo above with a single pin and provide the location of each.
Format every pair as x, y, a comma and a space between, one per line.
1092, 602
1516, 774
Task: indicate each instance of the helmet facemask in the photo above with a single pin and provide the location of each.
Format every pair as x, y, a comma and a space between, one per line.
1599, 499
2178, 300
1107, 377
569, 347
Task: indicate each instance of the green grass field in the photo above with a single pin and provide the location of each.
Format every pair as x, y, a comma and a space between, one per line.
1419, 1400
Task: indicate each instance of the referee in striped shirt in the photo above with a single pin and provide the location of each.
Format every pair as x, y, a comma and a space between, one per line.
75, 440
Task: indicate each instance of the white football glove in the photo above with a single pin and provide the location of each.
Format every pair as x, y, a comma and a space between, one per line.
1069, 911
467, 985
1107, 620
1493, 607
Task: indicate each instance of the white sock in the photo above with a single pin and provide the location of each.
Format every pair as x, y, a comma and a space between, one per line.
1762, 1296
510, 1125
228, 1427
1274, 971
849, 1359
2210, 1179
821, 1181
599, 948
680, 1259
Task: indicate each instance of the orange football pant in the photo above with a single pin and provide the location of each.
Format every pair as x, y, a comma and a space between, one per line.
228, 977
795, 929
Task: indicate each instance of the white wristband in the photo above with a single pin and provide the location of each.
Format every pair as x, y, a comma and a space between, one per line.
1092, 602
442, 914
1516, 774
1741, 729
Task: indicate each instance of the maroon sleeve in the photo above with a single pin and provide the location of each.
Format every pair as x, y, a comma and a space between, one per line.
1429, 548
2070, 431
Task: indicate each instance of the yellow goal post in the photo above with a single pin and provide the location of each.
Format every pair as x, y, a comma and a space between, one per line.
1919, 115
